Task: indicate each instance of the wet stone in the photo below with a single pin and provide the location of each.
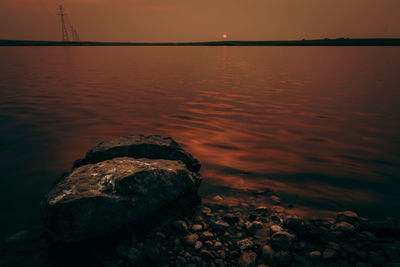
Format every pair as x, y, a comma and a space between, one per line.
220, 225
329, 254
283, 258
315, 255
275, 200
198, 245
276, 228
231, 218
267, 253
343, 226
180, 226
197, 227
247, 259
245, 244
207, 235
282, 240
191, 239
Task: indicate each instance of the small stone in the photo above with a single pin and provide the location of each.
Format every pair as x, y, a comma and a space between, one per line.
159, 237
206, 254
181, 226
151, 251
277, 220
231, 218
343, 226
261, 209
370, 236
198, 219
333, 245
282, 240
268, 254
207, 235
198, 245
275, 200
247, 259
181, 261
220, 225
329, 254
276, 228
255, 225
206, 210
218, 198
217, 245
17, 237
278, 209
191, 239
208, 243
283, 258
348, 216
197, 227
133, 255
245, 244
294, 223
315, 255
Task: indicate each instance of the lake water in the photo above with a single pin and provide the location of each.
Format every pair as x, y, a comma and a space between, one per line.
320, 126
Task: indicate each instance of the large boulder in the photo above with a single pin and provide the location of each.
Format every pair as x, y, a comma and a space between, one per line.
140, 146
120, 195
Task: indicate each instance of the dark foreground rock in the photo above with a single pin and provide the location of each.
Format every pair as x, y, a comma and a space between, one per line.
122, 194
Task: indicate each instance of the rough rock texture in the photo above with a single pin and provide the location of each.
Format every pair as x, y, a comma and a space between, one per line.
140, 146
112, 193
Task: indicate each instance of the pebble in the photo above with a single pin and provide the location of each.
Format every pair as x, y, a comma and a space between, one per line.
268, 253
283, 258
133, 255
333, 245
261, 209
245, 244
191, 239
276, 228
206, 254
348, 216
247, 259
197, 227
275, 200
17, 237
329, 254
181, 226
282, 240
315, 255
220, 225
231, 218
343, 226
198, 245
217, 245
207, 235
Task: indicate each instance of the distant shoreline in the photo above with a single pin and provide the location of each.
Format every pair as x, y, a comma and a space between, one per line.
319, 42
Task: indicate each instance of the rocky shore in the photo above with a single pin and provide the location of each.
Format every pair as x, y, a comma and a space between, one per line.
133, 201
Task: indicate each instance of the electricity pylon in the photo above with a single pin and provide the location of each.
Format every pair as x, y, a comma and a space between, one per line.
64, 32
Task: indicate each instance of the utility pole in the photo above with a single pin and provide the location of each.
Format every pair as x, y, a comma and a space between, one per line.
64, 32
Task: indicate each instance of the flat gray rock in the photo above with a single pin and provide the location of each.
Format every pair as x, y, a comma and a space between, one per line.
121, 194
140, 146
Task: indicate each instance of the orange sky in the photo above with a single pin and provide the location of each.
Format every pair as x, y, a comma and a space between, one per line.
190, 20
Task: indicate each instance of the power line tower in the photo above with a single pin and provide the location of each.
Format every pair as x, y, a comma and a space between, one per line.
64, 32
75, 36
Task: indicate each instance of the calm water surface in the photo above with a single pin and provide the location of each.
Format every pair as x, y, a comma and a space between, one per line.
318, 125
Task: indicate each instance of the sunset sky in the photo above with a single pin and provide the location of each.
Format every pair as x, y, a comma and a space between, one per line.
205, 20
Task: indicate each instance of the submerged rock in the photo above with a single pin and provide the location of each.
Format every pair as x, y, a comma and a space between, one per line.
140, 146
121, 194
